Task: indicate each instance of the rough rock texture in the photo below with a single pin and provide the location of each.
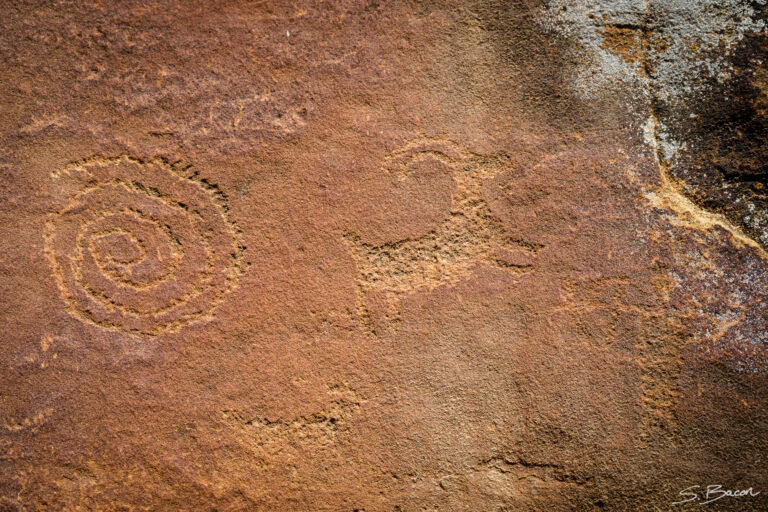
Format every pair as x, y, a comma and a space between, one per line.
370, 255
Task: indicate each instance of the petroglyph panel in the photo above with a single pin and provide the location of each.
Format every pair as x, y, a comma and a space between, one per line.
140, 247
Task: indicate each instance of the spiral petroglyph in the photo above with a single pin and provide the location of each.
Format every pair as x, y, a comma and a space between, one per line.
139, 246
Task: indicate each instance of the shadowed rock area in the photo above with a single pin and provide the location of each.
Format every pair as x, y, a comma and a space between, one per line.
383, 256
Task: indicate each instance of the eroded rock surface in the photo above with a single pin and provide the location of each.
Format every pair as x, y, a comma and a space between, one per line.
383, 255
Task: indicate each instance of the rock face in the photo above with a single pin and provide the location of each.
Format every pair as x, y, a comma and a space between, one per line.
383, 255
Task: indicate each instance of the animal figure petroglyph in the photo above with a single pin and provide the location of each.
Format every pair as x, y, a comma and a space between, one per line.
470, 234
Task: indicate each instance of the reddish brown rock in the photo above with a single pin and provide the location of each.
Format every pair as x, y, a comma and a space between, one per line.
377, 256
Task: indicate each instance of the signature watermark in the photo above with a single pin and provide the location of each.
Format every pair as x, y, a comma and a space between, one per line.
704, 495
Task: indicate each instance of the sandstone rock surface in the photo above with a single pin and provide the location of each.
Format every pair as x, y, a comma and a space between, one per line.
377, 256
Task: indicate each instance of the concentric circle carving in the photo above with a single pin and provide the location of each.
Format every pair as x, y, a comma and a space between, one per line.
140, 247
